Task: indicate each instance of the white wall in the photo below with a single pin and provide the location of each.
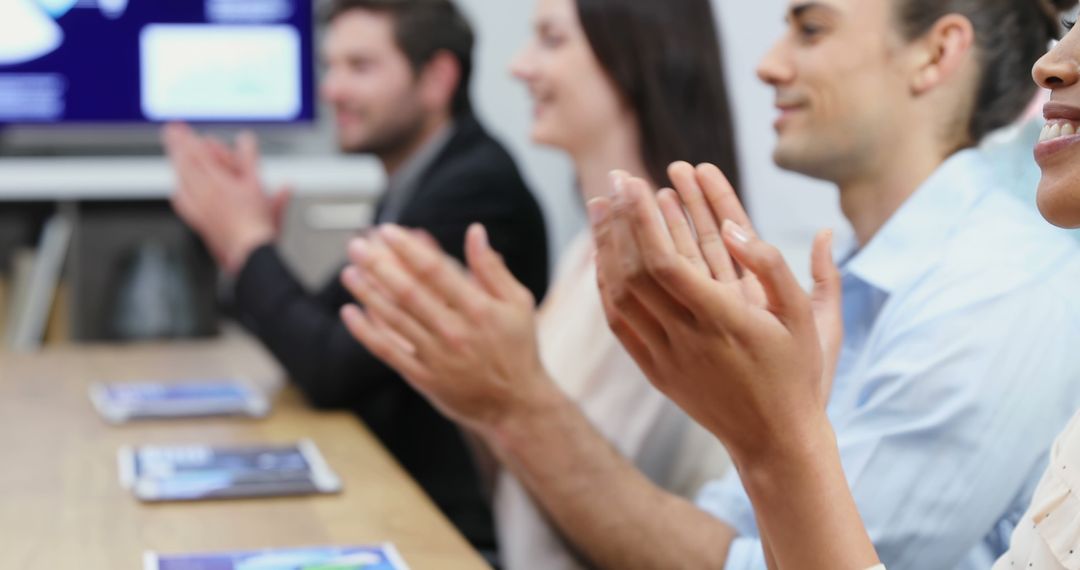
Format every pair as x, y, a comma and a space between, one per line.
787, 208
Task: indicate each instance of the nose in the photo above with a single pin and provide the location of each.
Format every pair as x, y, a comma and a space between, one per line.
1059, 68
523, 66
775, 68
330, 89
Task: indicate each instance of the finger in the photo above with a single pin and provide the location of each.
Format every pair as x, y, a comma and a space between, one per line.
221, 154
198, 171
827, 284
725, 204
183, 206
379, 307
639, 339
430, 266
785, 298
490, 270
706, 225
681, 232
247, 151
364, 292
189, 175
410, 294
176, 139
378, 341
190, 199
722, 198
825, 299
665, 284
623, 310
636, 214
172, 133
426, 237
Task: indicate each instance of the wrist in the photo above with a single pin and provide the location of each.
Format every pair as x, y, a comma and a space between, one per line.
518, 423
812, 448
803, 503
242, 245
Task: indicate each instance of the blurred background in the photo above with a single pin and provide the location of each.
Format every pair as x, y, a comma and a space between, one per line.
89, 248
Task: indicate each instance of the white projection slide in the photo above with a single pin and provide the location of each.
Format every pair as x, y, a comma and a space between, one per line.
220, 73
26, 32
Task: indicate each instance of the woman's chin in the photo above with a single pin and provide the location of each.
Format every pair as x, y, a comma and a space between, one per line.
1059, 202
543, 136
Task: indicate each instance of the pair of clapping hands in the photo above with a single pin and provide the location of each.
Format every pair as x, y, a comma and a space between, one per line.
220, 195
711, 314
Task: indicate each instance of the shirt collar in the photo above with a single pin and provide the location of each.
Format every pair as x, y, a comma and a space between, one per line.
911, 240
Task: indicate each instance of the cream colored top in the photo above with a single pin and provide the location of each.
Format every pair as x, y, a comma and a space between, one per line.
590, 365
1048, 537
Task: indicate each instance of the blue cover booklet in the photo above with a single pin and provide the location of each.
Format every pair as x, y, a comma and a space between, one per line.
122, 402
383, 557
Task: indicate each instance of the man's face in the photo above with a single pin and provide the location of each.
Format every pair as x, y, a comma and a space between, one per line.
370, 84
841, 93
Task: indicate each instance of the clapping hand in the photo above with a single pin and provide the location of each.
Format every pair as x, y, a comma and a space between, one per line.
711, 313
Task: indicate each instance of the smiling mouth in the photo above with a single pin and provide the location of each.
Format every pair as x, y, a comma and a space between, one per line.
1059, 128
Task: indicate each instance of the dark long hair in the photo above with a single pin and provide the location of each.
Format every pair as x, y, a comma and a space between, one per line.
665, 60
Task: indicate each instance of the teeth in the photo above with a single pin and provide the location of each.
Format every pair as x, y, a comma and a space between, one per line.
1059, 129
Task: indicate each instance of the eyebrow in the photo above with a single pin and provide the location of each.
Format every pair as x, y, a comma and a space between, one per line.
799, 10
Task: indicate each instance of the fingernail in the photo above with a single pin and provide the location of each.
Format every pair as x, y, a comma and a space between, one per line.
618, 184
736, 232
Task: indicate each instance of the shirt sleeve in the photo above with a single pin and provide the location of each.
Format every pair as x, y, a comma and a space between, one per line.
953, 418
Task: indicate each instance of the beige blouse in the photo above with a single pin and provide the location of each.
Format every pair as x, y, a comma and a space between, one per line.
590, 365
1048, 537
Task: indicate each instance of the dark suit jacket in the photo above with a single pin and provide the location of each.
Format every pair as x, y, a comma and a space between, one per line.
473, 180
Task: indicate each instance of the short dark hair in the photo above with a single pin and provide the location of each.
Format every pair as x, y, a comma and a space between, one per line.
422, 29
664, 58
1010, 36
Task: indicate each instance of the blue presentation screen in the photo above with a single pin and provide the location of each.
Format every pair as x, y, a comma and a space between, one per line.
132, 61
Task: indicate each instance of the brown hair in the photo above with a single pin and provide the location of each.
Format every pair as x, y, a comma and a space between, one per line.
423, 28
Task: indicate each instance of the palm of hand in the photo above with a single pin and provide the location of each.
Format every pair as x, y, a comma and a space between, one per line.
713, 317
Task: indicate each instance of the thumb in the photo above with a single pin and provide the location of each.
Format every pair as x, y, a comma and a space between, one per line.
826, 292
488, 267
826, 302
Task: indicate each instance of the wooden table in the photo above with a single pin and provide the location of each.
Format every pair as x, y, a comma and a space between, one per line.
61, 506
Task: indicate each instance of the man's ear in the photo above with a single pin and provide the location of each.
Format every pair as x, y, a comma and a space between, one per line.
941, 53
439, 80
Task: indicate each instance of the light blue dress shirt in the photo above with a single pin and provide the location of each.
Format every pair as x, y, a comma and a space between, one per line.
960, 364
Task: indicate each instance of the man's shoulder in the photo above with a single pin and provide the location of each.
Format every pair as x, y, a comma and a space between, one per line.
1004, 248
474, 156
